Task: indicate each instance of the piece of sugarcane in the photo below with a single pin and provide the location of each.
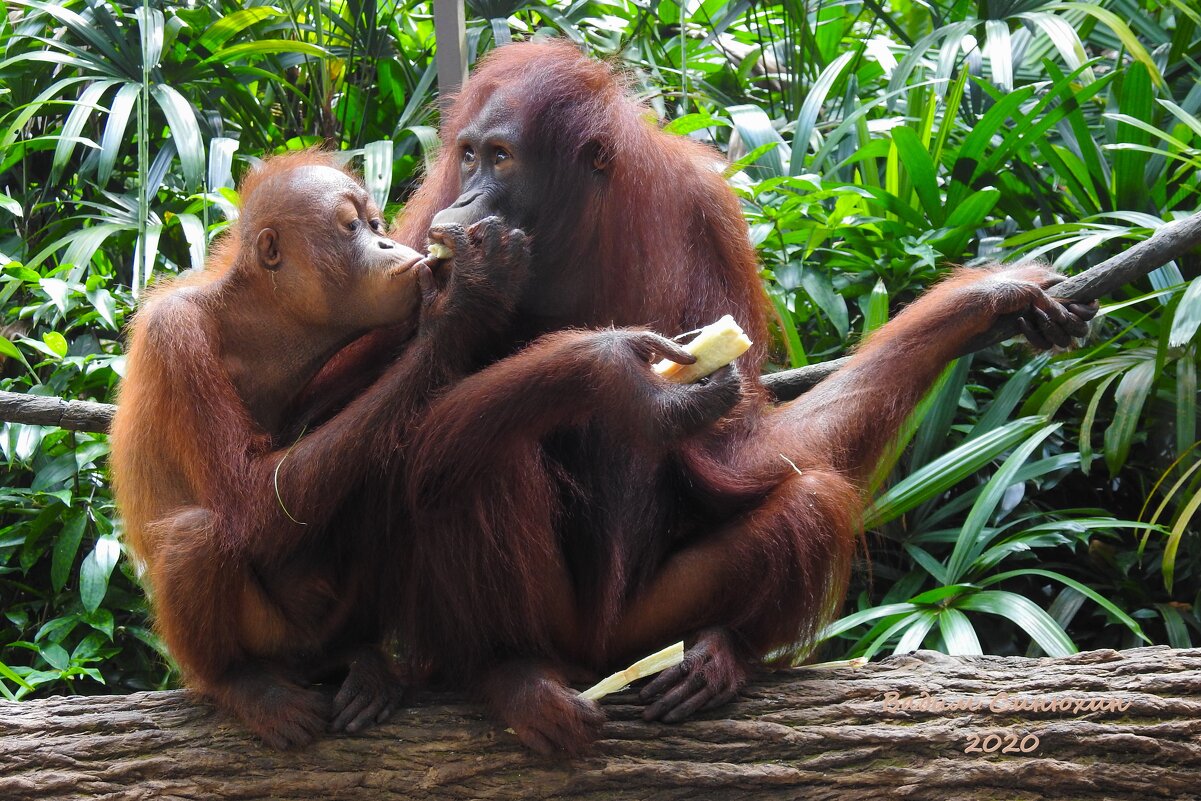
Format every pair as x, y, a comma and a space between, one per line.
714, 347
657, 662
439, 251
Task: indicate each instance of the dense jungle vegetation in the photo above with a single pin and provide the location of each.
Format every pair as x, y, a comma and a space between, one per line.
1041, 504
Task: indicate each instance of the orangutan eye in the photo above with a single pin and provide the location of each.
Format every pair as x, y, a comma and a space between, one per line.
501, 155
468, 155
377, 224
353, 225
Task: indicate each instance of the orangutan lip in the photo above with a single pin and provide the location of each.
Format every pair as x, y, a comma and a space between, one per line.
405, 267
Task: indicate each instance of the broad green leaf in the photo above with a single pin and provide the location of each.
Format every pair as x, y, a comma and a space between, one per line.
12, 206
56, 342
1087, 592
114, 130
185, 132
689, 123
916, 633
958, 633
1130, 187
1187, 319
66, 545
377, 170
1041, 627
810, 109
95, 571
866, 616
55, 655
921, 171
947, 470
1129, 399
228, 26
820, 288
755, 130
877, 307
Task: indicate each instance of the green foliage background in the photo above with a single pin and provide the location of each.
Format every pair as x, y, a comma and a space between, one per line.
1033, 504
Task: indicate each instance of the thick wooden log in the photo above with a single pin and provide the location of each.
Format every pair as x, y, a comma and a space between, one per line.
1107, 725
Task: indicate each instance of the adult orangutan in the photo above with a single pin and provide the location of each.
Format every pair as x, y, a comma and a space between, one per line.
258, 591
571, 508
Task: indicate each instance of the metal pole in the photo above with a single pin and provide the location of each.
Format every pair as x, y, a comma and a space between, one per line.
450, 31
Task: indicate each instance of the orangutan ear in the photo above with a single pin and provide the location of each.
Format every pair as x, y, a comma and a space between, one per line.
599, 154
268, 248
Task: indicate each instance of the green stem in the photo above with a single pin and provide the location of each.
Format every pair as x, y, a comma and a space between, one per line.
141, 263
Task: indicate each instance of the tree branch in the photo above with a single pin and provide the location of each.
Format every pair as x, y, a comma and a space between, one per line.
1169, 242
38, 410
1126, 725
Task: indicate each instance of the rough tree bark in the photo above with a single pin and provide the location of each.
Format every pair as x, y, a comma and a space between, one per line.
1124, 725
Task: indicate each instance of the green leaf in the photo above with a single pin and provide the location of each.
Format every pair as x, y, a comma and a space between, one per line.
151, 27
1174, 624
1187, 319
1120, 29
807, 119
114, 130
1041, 627
858, 618
56, 656
54, 472
972, 538
185, 132
377, 170
266, 47
915, 633
820, 288
877, 307
1129, 165
65, 548
958, 633
95, 571
1129, 399
56, 342
689, 123
921, 170
13, 207
1088, 592
1177, 533
228, 26
755, 130
947, 470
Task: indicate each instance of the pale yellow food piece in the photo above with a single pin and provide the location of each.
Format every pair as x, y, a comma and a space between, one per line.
657, 662
439, 251
714, 347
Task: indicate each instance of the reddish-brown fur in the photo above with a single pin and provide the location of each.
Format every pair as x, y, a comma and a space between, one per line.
553, 526
572, 509
258, 590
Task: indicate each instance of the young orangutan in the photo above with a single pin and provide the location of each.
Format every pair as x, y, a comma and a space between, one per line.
258, 592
